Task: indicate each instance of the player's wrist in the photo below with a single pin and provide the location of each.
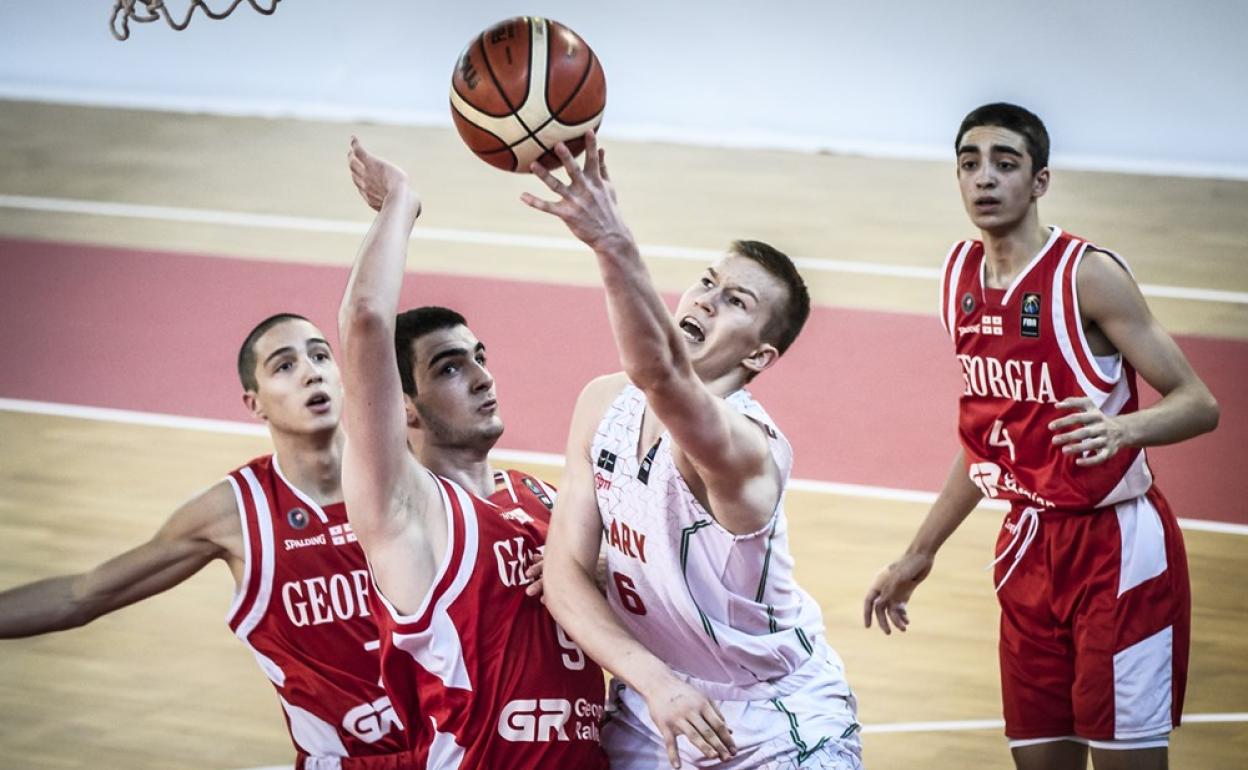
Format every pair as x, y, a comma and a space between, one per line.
617, 245
402, 197
651, 677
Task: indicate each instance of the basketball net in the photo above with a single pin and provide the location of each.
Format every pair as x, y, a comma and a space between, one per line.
128, 10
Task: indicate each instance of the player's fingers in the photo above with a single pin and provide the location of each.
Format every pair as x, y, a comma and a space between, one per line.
1074, 435
1087, 445
541, 205
669, 739
569, 164
602, 165
534, 588
1096, 459
693, 732
1081, 402
881, 616
715, 720
534, 569
1079, 418
714, 709
868, 606
550, 180
704, 739
898, 617
592, 168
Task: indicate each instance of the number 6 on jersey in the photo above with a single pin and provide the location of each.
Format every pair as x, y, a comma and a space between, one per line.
627, 590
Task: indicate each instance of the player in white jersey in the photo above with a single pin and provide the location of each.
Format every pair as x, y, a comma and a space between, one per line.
718, 654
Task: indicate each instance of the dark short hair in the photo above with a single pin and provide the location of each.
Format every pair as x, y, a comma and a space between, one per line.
1013, 118
411, 325
247, 353
786, 320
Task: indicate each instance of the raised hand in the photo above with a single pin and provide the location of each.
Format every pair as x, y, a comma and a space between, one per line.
378, 179
677, 708
586, 204
891, 589
1095, 437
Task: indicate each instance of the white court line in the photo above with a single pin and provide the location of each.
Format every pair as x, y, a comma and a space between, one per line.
449, 235
508, 455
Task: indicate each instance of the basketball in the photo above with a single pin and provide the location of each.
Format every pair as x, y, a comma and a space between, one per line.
522, 86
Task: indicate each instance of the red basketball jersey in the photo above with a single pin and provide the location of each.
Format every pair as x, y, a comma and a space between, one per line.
303, 610
1022, 350
480, 674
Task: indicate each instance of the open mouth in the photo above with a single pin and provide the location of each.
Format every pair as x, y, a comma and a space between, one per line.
692, 329
986, 203
318, 400
489, 406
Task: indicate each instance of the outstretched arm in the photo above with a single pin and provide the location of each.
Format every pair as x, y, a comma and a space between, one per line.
384, 487
890, 591
727, 451
193, 536
1110, 298
573, 598
378, 469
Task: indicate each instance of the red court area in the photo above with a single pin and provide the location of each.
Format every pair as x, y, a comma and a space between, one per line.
866, 397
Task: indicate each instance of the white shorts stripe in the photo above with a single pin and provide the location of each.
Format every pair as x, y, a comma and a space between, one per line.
1143, 543
1142, 687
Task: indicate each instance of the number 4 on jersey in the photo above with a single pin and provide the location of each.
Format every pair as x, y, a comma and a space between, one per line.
999, 436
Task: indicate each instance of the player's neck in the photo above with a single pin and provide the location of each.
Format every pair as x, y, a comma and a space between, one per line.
723, 384
312, 462
1007, 252
470, 468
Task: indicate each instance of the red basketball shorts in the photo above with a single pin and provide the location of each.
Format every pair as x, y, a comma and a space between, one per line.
1095, 622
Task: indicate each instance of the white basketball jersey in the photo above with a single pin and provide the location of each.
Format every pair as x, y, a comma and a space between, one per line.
720, 608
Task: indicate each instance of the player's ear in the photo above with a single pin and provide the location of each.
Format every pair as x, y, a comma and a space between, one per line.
252, 402
410, 416
1040, 183
761, 358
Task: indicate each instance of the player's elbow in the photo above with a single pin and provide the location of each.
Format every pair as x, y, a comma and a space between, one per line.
362, 317
1210, 412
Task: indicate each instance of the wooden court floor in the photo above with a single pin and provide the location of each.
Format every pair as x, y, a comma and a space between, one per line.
164, 685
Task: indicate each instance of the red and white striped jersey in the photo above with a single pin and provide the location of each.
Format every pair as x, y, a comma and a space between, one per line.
303, 610
480, 673
1021, 350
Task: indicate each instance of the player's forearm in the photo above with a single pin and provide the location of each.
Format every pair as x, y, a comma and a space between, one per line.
1187, 411
649, 344
42, 607
957, 499
572, 597
377, 276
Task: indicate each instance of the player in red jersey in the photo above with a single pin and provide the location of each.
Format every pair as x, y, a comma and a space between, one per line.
279, 525
1091, 573
475, 665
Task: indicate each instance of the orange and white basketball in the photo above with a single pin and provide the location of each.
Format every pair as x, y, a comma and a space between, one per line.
522, 86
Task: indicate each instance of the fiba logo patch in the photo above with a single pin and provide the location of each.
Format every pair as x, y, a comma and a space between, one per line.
297, 518
1029, 322
968, 302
